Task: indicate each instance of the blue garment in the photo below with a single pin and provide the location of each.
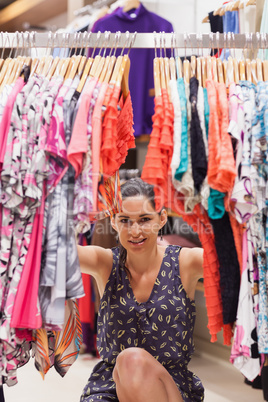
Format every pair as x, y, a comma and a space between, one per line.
260, 125
230, 24
163, 326
216, 207
184, 131
206, 107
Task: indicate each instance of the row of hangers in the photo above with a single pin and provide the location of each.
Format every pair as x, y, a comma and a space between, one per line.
105, 67
205, 67
233, 5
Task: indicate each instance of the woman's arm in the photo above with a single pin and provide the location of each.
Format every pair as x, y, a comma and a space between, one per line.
95, 261
191, 268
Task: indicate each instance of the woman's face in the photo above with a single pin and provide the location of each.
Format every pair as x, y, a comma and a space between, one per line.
138, 224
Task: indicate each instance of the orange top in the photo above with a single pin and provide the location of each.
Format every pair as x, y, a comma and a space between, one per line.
221, 165
117, 135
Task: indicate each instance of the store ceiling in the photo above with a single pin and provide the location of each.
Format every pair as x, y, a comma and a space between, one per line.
4, 3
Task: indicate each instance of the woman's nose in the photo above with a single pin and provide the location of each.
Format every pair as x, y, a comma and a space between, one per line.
135, 229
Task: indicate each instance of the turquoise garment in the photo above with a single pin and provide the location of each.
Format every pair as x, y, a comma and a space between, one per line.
184, 131
206, 107
216, 207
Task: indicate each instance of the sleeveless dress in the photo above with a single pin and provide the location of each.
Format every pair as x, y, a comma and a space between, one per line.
163, 326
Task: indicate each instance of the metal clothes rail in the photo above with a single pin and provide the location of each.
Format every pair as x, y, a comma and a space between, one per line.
142, 40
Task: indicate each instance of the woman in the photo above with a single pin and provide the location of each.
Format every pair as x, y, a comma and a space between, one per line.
147, 312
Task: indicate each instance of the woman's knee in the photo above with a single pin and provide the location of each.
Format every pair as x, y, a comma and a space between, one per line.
134, 363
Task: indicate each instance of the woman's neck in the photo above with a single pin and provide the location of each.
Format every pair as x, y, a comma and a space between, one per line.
145, 262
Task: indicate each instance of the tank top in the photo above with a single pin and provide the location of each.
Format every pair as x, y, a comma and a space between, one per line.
163, 326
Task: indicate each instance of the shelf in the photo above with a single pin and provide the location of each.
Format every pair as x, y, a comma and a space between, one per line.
33, 12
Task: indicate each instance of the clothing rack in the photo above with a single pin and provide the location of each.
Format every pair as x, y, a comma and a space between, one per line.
142, 40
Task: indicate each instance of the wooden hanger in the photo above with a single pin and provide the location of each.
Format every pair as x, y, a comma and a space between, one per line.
236, 70
53, 67
167, 74
230, 71
4, 69
199, 71
130, 5
259, 70
186, 71
253, 66
209, 68
193, 66
214, 68
172, 65
248, 70
242, 70
220, 70
85, 74
8, 73
157, 84
162, 73
205, 20
265, 70
179, 67
123, 76
203, 70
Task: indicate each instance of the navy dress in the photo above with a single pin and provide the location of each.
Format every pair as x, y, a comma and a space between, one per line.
163, 326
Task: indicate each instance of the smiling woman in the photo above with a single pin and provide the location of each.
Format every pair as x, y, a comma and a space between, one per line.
147, 313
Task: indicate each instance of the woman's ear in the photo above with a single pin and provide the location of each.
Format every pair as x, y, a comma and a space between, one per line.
163, 217
113, 224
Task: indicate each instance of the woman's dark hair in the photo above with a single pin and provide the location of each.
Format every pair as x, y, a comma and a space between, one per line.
132, 188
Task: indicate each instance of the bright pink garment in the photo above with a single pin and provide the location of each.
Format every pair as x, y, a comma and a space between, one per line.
96, 141
5, 122
78, 143
26, 313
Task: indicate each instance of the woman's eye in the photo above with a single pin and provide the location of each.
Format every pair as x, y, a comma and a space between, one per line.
145, 220
124, 220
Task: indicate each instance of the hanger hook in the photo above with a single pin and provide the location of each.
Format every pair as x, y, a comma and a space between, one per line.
185, 44
116, 42
155, 45
211, 42
106, 41
87, 41
126, 42
218, 42
164, 43
132, 41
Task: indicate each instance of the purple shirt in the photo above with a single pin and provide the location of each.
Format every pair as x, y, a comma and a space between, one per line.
141, 60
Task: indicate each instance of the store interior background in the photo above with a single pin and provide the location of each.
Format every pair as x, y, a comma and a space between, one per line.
185, 16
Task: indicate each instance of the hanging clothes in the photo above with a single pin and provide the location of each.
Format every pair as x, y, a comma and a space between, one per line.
138, 20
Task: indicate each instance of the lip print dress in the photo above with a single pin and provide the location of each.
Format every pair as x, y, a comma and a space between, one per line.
163, 326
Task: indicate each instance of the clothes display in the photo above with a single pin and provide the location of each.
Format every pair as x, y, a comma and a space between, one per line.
230, 218
52, 187
64, 134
